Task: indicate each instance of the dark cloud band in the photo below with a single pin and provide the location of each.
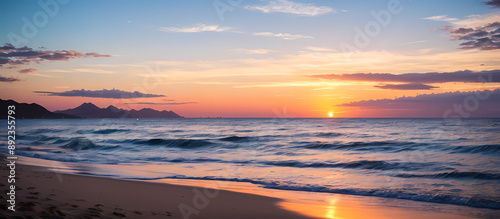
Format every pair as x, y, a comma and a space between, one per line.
410, 86
8, 79
114, 94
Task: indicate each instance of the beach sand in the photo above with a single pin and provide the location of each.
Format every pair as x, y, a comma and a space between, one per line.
42, 193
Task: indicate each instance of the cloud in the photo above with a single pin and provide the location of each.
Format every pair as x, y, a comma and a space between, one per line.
12, 56
289, 7
414, 42
418, 81
285, 36
409, 86
319, 49
27, 71
493, 3
441, 18
114, 94
483, 38
424, 51
480, 32
96, 71
293, 84
85, 70
33, 72
195, 29
152, 103
478, 20
8, 79
458, 104
488, 103
253, 51
430, 77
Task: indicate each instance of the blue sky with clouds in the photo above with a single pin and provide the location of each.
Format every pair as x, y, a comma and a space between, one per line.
266, 48
120, 27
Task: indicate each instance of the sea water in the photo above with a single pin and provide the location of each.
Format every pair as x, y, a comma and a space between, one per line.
430, 160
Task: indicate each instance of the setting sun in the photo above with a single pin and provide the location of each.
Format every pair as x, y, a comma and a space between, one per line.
330, 114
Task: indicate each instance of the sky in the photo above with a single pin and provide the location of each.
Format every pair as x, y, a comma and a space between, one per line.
243, 58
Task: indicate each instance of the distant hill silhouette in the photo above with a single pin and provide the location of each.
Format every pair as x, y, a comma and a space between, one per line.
30, 111
89, 110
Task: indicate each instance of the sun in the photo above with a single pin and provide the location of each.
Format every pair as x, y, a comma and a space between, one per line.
330, 114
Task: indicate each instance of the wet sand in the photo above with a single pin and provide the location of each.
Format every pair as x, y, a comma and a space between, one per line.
41, 193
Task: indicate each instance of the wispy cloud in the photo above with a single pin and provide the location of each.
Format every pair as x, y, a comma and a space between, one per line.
473, 21
414, 42
32, 71
104, 93
153, 103
285, 36
294, 84
441, 18
85, 70
195, 29
253, 51
27, 71
289, 7
14, 57
96, 71
319, 49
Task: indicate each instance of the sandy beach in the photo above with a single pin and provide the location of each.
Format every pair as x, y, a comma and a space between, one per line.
47, 194
42, 193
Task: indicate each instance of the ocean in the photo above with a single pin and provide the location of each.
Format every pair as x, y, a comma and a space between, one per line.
429, 160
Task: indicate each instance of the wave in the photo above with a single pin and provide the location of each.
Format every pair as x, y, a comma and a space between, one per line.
47, 138
236, 139
196, 160
61, 141
181, 143
109, 131
40, 131
176, 131
389, 146
454, 175
477, 202
328, 134
243, 131
362, 164
483, 149
79, 143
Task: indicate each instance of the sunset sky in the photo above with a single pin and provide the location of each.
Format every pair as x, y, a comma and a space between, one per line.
278, 58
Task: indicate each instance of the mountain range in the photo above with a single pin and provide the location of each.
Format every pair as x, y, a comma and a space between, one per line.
86, 110
89, 110
30, 111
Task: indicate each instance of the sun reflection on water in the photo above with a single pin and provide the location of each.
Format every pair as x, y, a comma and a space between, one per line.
330, 209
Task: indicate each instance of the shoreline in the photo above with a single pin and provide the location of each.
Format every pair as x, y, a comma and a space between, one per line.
43, 192
68, 195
